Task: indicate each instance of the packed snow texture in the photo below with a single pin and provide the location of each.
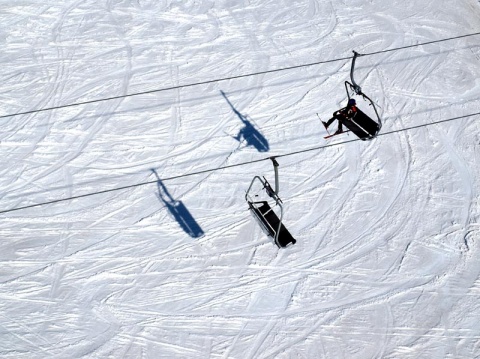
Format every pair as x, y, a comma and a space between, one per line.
386, 261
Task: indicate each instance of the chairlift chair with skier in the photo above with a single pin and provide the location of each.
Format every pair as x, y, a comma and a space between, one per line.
352, 117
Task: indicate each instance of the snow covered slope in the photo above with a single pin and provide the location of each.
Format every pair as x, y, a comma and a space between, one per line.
386, 261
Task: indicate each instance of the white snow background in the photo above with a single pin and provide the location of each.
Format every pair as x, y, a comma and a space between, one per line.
386, 263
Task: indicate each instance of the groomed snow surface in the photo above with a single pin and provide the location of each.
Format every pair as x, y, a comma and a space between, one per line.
386, 263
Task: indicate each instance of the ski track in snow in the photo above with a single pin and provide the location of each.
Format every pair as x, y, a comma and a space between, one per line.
385, 264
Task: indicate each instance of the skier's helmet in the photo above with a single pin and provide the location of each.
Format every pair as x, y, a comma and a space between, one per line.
352, 102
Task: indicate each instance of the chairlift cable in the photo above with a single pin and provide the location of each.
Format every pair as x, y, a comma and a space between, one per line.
230, 77
317, 148
419, 44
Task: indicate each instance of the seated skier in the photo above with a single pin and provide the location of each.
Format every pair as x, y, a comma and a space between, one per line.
343, 114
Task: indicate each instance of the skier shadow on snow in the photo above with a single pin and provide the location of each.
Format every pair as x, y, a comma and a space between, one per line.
248, 133
178, 210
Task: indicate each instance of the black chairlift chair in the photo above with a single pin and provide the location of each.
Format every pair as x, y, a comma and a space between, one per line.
363, 126
263, 212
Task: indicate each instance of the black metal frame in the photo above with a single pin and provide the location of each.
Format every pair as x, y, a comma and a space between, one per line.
255, 207
358, 90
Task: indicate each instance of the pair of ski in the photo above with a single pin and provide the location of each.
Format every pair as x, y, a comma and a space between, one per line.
330, 135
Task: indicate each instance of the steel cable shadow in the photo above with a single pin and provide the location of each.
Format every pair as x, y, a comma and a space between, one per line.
249, 133
178, 210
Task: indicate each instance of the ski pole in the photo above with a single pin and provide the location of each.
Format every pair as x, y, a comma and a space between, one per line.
322, 123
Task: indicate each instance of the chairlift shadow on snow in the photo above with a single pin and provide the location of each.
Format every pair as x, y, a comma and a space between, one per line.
178, 210
249, 133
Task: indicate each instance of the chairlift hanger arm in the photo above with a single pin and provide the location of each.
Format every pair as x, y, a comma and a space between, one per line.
273, 193
270, 191
275, 168
355, 86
